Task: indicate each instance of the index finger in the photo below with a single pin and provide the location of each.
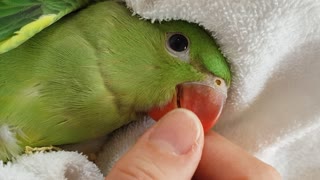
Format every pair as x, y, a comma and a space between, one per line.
222, 159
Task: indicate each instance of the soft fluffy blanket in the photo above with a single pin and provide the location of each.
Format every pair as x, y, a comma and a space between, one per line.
273, 109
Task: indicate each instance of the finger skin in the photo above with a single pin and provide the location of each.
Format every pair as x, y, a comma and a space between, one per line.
149, 159
223, 160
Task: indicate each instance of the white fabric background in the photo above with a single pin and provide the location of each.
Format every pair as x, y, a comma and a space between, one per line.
273, 108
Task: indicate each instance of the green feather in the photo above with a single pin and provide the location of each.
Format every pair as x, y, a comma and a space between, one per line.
22, 19
94, 71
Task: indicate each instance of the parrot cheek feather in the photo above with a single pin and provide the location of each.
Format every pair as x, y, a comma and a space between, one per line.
157, 112
9, 144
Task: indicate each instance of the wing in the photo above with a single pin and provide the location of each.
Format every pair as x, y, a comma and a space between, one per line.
22, 19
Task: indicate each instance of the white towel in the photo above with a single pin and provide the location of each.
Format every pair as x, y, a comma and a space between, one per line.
50, 166
273, 108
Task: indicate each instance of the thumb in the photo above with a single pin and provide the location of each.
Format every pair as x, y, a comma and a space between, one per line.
169, 150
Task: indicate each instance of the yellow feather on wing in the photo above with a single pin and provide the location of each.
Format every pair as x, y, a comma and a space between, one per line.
20, 20
27, 31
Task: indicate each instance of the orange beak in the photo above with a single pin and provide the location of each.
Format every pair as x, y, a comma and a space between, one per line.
204, 100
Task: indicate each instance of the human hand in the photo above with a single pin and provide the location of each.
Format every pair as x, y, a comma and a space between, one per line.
172, 149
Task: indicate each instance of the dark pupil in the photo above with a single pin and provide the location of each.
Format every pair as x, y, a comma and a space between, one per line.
178, 42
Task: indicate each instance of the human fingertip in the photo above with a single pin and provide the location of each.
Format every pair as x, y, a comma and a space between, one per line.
177, 132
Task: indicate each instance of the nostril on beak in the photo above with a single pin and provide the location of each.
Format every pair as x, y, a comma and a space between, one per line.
218, 82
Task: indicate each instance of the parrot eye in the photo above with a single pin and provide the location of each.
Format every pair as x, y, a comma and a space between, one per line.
178, 42
178, 45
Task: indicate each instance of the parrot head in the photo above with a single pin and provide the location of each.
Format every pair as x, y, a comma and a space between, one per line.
163, 66
206, 90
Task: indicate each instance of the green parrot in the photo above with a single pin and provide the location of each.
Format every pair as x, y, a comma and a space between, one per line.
66, 77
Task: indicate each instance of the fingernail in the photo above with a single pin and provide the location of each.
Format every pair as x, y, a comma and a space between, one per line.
177, 132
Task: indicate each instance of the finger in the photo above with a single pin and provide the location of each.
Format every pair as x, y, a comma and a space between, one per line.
223, 160
169, 150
